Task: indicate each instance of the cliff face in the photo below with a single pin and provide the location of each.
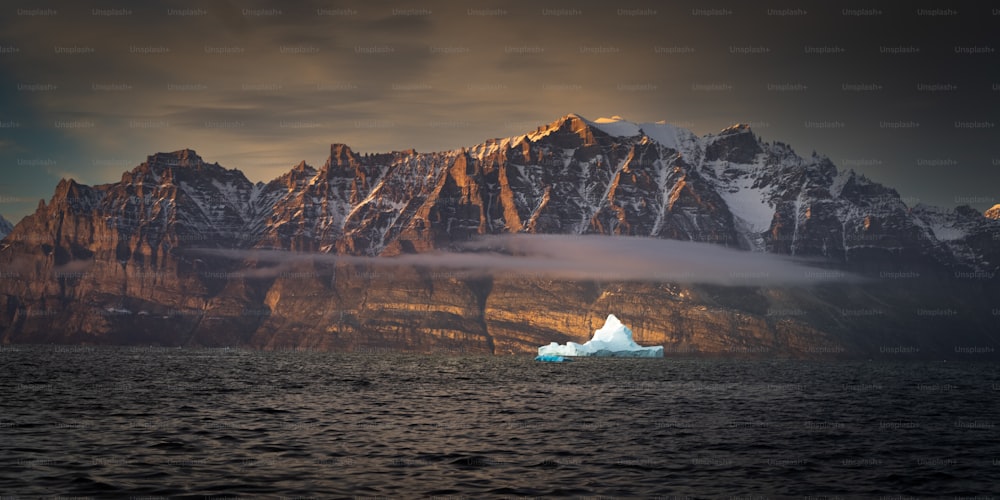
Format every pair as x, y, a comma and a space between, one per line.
117, 263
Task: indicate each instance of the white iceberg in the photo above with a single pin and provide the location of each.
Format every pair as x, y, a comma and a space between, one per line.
612, 340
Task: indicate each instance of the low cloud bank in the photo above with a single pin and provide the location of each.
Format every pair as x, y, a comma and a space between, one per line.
591, 257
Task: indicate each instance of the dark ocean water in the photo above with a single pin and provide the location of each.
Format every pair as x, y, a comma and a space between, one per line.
122, 422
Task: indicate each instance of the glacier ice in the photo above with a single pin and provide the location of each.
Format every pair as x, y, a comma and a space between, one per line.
611, 340
551, 358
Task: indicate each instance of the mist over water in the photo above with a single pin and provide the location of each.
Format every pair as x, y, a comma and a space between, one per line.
579, 257
196, 423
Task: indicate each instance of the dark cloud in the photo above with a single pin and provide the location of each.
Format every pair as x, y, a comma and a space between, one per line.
661, 51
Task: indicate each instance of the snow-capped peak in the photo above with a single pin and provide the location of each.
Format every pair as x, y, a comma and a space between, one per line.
545, 130
667, 135
676, 138
613, 119
617, 126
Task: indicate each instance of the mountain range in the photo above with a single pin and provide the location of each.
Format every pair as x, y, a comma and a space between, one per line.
123, 263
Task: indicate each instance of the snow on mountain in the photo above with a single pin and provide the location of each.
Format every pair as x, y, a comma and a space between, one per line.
737, 179
749, 203
616, 126
571, 176
962, 231
140, 241
676, 138
669, 136
944, 225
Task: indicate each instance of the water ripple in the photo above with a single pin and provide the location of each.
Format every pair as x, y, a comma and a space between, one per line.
184, 423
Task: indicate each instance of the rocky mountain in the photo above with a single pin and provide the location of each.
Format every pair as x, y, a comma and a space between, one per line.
993, 212
5, 227
116, 263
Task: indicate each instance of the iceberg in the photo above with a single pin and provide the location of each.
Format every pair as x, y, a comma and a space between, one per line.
611, 340
551, 358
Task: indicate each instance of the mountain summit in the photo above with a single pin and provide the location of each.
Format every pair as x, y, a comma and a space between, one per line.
993, 212
130, 246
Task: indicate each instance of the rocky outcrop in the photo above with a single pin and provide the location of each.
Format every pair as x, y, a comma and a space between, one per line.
5, 227
993, 212
122, 262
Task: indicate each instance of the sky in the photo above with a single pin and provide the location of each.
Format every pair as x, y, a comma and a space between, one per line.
907, 93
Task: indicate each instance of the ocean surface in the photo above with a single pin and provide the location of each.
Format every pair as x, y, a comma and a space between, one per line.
118, 422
